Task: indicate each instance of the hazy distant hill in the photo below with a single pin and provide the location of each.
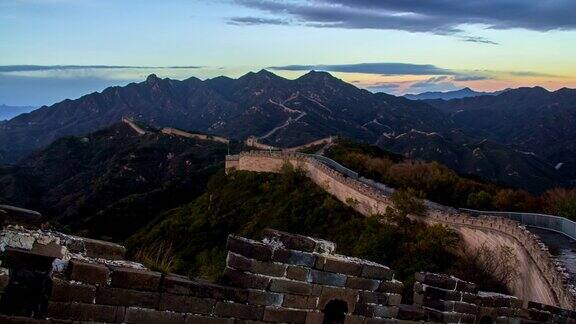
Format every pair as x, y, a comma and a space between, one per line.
532, 120
7, 112
457, 94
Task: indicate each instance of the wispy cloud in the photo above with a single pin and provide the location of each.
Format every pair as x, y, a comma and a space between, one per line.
372, 68
38, 68
248, 21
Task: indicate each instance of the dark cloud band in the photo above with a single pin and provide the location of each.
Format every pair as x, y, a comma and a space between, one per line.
442, 17
37, 68
372, 68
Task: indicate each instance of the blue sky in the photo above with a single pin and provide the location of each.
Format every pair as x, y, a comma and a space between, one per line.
381, 45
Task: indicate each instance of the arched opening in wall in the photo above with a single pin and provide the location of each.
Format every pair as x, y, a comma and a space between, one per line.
335, 312
486, 320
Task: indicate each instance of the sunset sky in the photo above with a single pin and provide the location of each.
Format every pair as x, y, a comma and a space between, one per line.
56, 49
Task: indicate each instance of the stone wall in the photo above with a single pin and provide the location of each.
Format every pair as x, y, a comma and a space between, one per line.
541, 278
204, 137
49, 277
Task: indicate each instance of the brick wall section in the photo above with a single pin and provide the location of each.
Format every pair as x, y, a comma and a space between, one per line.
550, 282
284, 278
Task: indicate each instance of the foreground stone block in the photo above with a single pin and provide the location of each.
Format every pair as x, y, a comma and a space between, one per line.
103, 249
249, 248
135, 279
264, 298
240, 311
245, 280
126, 297
141, 315
90, 273
65, 291
284, 315
85, 312
239, 262
186, 304
290, 287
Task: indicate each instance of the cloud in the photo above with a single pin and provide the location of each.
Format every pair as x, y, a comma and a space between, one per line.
249, 21
38, 68
464, 77
475, 39
372, 68
443, 17
433, 84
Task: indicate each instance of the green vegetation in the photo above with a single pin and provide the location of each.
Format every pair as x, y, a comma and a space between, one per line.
434, 181
245, 203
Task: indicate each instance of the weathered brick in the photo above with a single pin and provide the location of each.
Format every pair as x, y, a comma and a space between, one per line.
141, 315
354, 319
376, 272
465, 286
291, 287
264, 298
91, 273
293, 257
362, 283
314, 318
411, 313
239, 262
84, 312
126, 297
327, 278
444, 294
10, 319
350, 296
249, 248
103, 249
130, 278
239, 311
436, 280
369, 297
300, 302
198, 319
245, 280
297, 273
284, 315
339, 265
19, 258
186, 304
181, 285
372, 310
290, 241
392, 286
63, 290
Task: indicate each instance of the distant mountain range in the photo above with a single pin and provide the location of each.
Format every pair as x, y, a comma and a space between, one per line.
7, 112
287, 113
448, 95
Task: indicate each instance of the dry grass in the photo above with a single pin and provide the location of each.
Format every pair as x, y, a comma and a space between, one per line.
157, 257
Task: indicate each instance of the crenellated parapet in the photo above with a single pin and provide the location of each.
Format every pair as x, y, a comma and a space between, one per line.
542, 278
50, 277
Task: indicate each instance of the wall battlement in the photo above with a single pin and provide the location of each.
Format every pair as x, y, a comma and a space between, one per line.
541, 279
49, 277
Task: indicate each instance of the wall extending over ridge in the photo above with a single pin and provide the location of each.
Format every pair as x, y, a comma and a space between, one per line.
541, 278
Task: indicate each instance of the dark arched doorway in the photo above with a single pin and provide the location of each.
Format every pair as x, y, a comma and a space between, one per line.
335, 312
486, 320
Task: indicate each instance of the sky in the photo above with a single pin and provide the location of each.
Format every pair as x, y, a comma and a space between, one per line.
51, 50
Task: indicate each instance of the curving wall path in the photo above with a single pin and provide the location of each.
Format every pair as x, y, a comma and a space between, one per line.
541, 279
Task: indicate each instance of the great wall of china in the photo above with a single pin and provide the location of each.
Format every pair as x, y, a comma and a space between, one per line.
50, 277
541, 278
